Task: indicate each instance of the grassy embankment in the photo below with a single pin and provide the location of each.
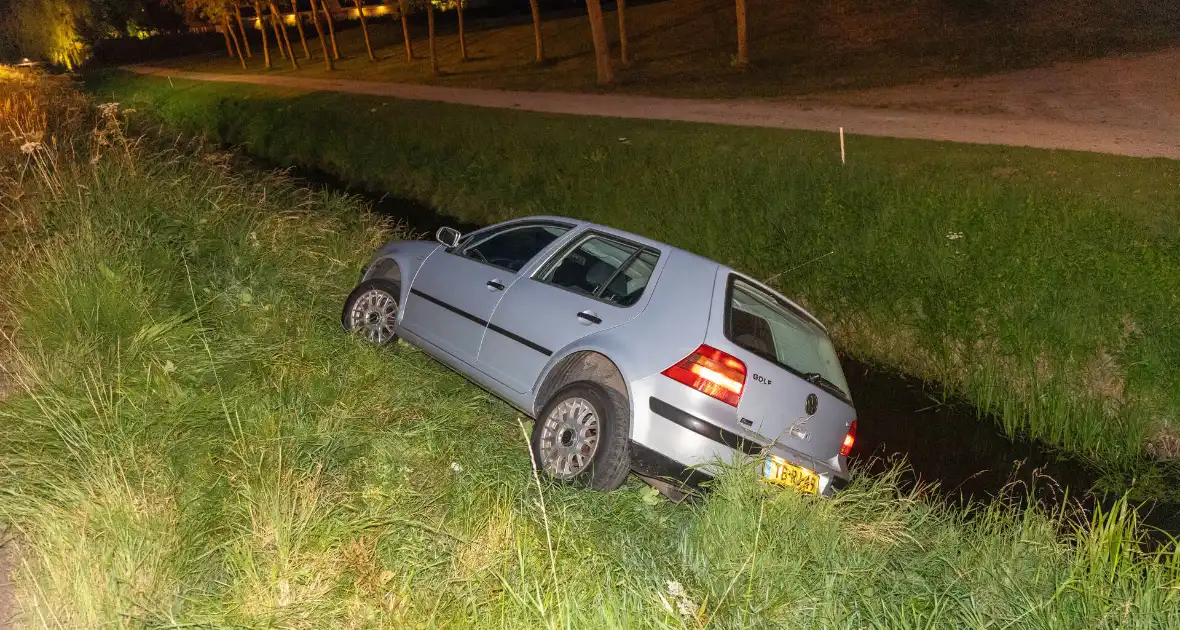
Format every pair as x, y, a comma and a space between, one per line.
194, 443
1053, 308
686, 47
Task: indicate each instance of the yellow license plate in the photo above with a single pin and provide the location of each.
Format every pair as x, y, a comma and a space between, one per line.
781, 472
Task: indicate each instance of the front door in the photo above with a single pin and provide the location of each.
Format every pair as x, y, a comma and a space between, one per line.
597, 283
456, 290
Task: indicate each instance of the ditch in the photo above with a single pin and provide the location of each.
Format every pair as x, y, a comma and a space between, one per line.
951, 448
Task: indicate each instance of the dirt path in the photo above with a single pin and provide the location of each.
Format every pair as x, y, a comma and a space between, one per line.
967, 111
1140, 93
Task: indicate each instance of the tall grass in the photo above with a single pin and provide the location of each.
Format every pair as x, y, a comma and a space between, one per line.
194, 443
37, 113
1035, 282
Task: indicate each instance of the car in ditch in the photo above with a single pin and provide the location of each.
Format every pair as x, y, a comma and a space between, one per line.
628, 353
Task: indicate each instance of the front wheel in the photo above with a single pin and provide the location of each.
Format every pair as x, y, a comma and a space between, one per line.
371, 311
581, 436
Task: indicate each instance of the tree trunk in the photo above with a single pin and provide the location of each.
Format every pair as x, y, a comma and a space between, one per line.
278, 18
242, 28
262, 27
299, 26
229, 28
622, 10
743, 51
331, 28
430, 28
601, 46
274, 23
536, 7
462, 40
364, 28
229, 47
319, 32
406, 30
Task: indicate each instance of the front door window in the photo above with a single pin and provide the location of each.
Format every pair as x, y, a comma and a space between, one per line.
512, 248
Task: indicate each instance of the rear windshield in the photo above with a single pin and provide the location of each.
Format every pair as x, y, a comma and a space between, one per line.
763, 324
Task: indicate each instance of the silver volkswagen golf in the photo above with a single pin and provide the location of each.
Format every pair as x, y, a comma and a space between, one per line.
629, 354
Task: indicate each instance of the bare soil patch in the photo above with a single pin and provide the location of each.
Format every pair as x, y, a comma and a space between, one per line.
1136, 93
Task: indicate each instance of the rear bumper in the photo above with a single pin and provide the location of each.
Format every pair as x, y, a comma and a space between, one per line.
652, 463
677, 444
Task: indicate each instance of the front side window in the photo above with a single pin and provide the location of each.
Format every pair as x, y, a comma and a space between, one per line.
759, 322
513, 247
602, 268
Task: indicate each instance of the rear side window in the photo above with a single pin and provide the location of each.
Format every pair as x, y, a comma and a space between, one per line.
761, 323
513, 247
603, 268
627, 287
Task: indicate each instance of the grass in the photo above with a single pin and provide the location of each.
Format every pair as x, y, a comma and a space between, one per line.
1051, 309
194, 443
686, 47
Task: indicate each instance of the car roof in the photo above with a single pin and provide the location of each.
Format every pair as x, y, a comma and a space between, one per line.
643, 240
606, 229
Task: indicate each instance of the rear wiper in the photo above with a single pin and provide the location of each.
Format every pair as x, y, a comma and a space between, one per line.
818, 379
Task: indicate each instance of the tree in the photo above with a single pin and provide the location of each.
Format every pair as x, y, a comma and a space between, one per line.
61, 31
217, 13
444, 5
127, 17
229, 29
743, 44
242, 28
40, 30
430, 29
331, 28
601, 46
274, 24
622, 11
360, 11
535, 5
262, 27
229, 47
406, 29
277, 19
397, 12
319, 32
462, 40
299, 26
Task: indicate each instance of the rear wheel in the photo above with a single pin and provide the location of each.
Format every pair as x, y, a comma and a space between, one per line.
581, 436
371, 311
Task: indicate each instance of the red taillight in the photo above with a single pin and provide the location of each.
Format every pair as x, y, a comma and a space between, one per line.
849, 439
713, 372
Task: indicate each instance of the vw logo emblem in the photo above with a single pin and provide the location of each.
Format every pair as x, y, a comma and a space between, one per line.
812, 404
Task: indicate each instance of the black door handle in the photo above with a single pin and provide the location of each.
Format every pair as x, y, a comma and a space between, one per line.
495, 284
590, 317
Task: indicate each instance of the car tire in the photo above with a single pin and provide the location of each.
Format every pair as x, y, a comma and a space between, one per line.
371, 311
563, 425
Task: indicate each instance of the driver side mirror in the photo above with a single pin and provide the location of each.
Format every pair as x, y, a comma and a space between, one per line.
448, 236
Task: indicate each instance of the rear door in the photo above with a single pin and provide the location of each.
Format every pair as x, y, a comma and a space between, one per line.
795, 393
453, 295
595, 283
